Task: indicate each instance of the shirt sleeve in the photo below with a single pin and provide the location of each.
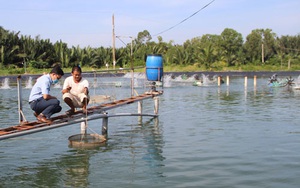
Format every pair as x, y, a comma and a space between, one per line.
86, 83
45, 85
66, 83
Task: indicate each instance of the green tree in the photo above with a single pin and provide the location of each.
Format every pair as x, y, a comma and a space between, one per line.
143, 37
252, 45
207, 49
260, 41
62, 53
231, 43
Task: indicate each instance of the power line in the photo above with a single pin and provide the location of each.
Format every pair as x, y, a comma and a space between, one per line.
185, 18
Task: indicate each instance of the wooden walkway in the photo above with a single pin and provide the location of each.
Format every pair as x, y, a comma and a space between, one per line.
94, 112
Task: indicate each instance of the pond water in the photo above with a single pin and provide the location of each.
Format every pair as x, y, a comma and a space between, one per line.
208, 136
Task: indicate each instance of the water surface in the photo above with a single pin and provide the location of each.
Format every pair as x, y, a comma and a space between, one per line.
228, 136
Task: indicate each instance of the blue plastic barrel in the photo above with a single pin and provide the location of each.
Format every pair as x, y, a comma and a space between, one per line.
154, 67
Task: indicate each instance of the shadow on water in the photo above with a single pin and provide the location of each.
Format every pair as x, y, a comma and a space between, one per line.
67, 171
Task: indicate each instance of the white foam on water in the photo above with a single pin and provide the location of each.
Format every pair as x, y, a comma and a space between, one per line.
5, 84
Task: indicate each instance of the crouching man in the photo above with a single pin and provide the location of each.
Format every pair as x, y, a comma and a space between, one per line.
75, 91
41, 102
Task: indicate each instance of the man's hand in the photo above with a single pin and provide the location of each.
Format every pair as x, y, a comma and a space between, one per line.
47, 97
86, 91
66, 90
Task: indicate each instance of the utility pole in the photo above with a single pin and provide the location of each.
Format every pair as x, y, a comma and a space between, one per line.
24, 62
262, 53
131, 65
131, 60
113, 41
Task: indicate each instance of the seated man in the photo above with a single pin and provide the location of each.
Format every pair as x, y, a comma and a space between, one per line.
75, 91
41, 102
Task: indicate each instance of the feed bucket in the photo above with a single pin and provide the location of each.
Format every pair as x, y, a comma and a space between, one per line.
154, 67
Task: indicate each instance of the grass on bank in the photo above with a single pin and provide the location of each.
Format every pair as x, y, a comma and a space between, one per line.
167, 68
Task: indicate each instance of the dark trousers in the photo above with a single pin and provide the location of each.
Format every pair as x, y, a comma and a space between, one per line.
46, 107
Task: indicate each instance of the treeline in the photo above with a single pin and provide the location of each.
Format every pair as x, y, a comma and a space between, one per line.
208, 52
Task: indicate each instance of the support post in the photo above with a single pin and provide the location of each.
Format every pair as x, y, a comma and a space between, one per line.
104, 126
254, 81
20, 112
219, 80
83, 127
156, 104
246, 81
140, 111
227, 80
156, 122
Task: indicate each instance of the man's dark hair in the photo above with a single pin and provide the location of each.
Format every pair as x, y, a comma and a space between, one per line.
57, 70
76, 68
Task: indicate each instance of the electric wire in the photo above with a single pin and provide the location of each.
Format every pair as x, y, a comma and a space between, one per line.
185, 19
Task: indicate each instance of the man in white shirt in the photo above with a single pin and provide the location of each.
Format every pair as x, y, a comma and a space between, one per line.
76, 91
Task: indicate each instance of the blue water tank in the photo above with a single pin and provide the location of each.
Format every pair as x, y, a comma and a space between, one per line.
154, 67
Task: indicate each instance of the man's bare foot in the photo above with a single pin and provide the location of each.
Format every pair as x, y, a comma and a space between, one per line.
70, 112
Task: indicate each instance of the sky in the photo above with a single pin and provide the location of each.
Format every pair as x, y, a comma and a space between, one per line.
89, 22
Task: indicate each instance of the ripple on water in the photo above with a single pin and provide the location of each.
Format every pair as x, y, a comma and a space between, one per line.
205, 137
